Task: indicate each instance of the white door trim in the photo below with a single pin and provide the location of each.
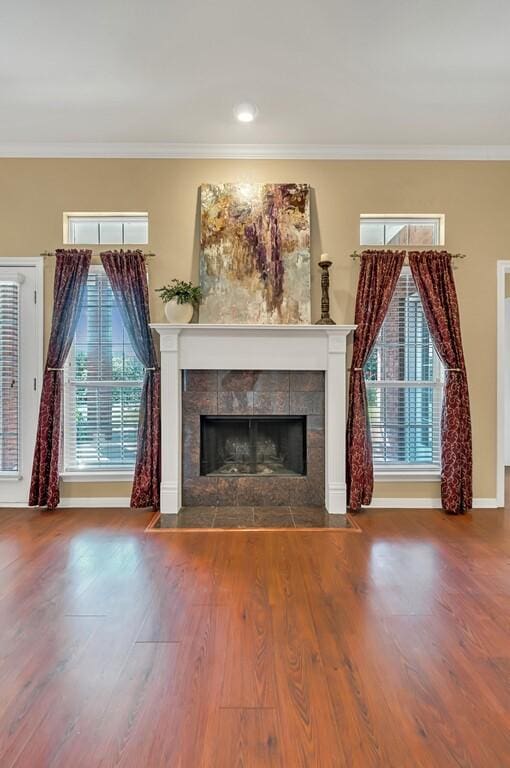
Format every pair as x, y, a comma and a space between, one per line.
503, 268
37, 265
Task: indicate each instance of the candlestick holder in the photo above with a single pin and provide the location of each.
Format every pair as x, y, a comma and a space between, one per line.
325, 318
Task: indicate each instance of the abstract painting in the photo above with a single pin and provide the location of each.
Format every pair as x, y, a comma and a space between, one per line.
255, 253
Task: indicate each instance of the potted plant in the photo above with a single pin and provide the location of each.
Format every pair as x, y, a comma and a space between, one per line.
181, 299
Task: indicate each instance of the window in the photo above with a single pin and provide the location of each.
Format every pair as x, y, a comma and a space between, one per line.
404, 379
106, 228
102, 387
9, 376
401, 230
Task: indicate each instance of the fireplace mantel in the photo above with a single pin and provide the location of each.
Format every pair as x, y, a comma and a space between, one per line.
252, 347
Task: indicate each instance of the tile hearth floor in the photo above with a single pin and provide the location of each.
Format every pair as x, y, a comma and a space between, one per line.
254, 517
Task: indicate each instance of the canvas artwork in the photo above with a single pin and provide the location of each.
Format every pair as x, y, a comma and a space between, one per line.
255, 253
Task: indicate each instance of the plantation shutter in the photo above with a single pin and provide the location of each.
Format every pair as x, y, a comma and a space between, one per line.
404, 386
103, 386
9, 375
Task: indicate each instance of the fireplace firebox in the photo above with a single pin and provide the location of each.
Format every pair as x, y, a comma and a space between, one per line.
252, 445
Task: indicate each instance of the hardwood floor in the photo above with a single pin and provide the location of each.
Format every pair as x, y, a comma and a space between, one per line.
387, 649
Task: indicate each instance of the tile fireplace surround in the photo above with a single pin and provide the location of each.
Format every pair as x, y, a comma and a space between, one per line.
252, 393
252, 370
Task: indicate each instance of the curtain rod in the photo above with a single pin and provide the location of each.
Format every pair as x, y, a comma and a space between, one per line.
356, 255
52, 253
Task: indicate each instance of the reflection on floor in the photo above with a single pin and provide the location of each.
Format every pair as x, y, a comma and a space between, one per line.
253, 517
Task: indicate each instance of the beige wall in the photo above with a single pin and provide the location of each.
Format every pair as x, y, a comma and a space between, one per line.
474, 196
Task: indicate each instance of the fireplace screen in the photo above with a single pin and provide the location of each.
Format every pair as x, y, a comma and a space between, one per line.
253, 445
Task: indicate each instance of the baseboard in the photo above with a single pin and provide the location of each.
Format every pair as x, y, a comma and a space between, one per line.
121, 502
485, 504
95, 501
13, 505
70, 503
401, 503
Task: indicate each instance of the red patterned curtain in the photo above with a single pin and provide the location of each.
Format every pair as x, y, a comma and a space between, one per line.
433, 275
71, 272
380, 271
128, 278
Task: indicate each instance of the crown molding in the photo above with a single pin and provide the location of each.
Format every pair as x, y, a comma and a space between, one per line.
256, 151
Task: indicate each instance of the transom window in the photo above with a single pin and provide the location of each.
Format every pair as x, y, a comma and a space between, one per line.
106, 228
404, 378
401, 230
102, 386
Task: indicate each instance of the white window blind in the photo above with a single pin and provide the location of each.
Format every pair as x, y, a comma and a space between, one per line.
404, 379
103, 386
9, 377
107, 229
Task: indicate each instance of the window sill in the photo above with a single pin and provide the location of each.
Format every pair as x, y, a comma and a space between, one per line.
398, 476
98, 476
10, 477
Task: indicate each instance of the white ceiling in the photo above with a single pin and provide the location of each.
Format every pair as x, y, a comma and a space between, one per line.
322, 72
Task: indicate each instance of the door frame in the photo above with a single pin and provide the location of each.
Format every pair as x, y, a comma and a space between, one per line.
37, 262
503, 269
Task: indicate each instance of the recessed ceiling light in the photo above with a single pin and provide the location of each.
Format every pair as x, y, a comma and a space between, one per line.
245, 113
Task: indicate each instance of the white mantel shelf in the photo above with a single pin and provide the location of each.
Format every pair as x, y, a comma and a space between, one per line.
196, 327
252, 347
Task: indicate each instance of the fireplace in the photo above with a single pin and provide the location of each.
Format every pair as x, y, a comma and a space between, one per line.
252, 445
252, 438
252, 371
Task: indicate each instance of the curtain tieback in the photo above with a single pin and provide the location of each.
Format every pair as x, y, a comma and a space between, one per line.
355, 369
151, 369
54, 369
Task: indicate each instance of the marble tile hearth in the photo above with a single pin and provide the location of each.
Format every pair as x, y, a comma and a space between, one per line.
230, 518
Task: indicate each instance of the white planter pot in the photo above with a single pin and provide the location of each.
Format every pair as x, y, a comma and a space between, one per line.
178, 313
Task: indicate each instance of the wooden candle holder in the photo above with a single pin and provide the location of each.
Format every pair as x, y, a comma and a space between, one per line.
325, 318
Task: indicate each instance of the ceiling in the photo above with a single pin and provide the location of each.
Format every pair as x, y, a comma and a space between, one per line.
323, 74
